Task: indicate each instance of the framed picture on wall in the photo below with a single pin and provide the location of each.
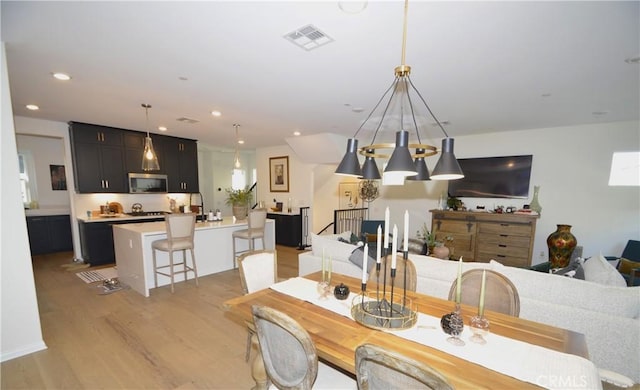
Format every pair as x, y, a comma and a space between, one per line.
279, 174
349, 196
58, 177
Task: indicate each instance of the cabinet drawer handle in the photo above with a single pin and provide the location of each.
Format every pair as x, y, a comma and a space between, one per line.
504, 235
504, 224
107, 181
502, 245
501, 256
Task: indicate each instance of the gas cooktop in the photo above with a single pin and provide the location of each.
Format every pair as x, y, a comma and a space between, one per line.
147, 213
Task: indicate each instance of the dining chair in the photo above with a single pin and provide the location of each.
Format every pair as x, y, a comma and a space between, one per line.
256, 222
258, 270
180, 232
289, 355
501, 295
378, 368
401, 266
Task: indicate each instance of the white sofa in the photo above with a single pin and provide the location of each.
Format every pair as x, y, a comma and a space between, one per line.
609, 317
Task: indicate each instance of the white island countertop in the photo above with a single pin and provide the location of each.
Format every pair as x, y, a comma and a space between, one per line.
213, 243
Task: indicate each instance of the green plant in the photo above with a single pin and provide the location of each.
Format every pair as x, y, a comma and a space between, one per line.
429, 238
240, 197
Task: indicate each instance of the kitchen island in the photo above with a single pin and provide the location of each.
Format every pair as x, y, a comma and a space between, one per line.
212, 246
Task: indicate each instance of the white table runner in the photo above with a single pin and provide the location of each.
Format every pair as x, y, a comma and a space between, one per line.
527, 362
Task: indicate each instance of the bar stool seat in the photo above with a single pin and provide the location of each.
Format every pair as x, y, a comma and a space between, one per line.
180, 233
256, 223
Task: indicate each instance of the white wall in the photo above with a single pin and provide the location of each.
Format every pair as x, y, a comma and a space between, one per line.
20, 330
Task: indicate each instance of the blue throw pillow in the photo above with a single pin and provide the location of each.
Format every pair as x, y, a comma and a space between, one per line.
357, 255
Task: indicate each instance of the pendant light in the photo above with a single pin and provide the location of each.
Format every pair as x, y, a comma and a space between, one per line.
149, 156
402, 163
236, 163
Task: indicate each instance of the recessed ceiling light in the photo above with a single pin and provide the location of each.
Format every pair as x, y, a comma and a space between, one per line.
296, 133
216, 113
32, 107
61, 76
183, 78
162, 128
241, 141
357, 109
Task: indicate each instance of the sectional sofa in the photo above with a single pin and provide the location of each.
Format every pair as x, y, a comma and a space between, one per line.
609, 316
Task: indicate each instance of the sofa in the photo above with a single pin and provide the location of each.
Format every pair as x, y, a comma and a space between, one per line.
608, 316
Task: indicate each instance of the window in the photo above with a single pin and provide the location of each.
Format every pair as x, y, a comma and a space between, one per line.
625, 169
27, 178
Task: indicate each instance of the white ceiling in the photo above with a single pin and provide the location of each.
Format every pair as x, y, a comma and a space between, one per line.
482, 66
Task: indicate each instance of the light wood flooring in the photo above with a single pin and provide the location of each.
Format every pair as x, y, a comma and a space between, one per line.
126, 341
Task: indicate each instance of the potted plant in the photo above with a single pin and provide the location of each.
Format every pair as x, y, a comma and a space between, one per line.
428, 238
239, 200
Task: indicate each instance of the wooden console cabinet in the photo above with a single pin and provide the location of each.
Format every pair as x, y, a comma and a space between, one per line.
476, 236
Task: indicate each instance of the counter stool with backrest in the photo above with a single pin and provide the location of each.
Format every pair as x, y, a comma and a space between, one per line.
256, 222
180, 232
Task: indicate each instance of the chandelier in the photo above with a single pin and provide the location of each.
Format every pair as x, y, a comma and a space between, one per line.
149, 156
399, 112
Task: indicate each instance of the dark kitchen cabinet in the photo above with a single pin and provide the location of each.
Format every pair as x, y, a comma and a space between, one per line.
133, 149
49, 234
98, 158
288, 229
179, 160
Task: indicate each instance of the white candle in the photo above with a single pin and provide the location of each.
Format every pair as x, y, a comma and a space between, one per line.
405, 247
364, 263
379, 245
330, 267
386, 228
394, 247
323, 264
482, 287
459, 281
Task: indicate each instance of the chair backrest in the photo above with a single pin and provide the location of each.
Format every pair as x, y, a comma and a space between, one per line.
632, 250
258, 270
380, 368
500, 293
180, 226
290, 358
412, 277
257, 219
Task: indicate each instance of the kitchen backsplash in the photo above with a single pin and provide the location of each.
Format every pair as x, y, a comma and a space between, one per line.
150, 202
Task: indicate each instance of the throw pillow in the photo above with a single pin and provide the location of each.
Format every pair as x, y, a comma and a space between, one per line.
573, 270
320, 241
357, 256
331, 248
597, 269
625, 266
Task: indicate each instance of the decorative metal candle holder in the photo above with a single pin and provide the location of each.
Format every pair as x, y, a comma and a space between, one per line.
382, 309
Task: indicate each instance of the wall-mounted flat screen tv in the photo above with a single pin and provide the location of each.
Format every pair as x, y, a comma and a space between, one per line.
493, 177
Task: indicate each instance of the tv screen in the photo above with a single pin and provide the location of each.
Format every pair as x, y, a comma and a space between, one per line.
493, 177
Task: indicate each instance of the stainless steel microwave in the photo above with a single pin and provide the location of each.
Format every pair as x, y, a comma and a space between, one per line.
147, 183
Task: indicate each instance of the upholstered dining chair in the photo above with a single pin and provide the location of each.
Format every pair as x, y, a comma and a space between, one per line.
289, 355
500, 293
401, 266
180, 233
378, 368
258, 270
256, 222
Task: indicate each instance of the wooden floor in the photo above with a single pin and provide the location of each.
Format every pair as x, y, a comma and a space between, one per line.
126, 341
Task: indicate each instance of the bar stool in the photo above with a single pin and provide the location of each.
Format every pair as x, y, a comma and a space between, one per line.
256, 223
180, 232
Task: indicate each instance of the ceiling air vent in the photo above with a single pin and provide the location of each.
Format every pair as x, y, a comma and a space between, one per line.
308, 37
187, 120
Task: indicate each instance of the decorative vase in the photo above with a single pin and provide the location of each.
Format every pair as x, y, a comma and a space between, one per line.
535, 204
240, 212
441, 252
561, 243
341, 292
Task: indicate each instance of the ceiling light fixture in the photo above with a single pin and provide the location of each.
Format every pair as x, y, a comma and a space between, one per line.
149, 156
216, 113
32, 107
62, 76
237, 156
401, 162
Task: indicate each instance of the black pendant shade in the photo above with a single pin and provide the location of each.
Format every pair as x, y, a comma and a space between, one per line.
421, 167
400, 161
447, 167
370, 169
350, 166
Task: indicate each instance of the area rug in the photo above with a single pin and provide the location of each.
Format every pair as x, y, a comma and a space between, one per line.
98, 275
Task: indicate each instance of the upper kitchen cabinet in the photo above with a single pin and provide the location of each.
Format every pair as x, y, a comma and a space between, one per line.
98, 158
133, 150
178, 158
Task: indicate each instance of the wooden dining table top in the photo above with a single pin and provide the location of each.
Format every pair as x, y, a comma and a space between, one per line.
336, 337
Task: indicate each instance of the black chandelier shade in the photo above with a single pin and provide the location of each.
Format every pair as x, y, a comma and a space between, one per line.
400, 161
447, 167
421, 167
370, 169
350, 166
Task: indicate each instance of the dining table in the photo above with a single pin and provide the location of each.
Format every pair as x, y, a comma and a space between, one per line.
336, 336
